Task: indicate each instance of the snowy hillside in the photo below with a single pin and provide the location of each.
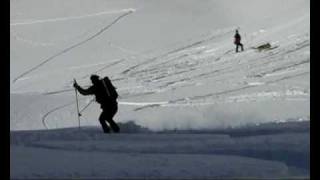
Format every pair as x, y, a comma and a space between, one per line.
166, 58
175, 68
90, 154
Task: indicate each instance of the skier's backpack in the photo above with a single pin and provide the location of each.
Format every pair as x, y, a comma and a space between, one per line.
110, 89
237, 39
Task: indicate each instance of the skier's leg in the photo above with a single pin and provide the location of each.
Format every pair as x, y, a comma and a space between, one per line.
102, 119
241, 46
112, 111
237, 45
113, 125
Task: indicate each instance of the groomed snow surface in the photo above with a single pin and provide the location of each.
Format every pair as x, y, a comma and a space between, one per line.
189, 106
279, 150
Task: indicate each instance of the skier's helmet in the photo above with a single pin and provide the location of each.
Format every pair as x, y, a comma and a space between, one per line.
94, 78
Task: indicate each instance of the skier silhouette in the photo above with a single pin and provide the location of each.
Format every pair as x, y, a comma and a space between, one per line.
106, 96
237, 39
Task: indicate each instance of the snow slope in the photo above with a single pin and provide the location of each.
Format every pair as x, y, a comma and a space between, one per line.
166, 58
174, 66
87, 153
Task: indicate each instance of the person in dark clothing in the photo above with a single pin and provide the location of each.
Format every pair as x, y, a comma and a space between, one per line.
103, 91
237, 39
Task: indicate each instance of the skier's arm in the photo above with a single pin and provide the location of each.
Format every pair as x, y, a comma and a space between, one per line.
82, 91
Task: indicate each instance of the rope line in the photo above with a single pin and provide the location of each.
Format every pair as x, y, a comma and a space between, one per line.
72, 47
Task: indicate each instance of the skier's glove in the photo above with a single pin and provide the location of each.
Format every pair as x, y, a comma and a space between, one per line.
75, 85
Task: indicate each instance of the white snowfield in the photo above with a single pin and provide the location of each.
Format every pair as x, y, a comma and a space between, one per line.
175, 68
87, 153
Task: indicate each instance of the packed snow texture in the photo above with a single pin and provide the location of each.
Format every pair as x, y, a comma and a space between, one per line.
176, 70
138, 153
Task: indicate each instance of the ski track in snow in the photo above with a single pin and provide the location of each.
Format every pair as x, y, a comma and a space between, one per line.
31, 22
156, 69
231, 69
240, 98
220, 72
30, 42
183, 103
56, 109
73, 46
104, 67
167, 54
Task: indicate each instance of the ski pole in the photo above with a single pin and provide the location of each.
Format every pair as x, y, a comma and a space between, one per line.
86, 106
77, 105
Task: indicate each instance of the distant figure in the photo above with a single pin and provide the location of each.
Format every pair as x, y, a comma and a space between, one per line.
106, 95
237, 39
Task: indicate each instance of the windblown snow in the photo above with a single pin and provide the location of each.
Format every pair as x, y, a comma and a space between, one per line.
183, 89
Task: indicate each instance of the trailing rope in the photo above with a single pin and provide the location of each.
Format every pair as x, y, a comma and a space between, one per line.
73, 46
